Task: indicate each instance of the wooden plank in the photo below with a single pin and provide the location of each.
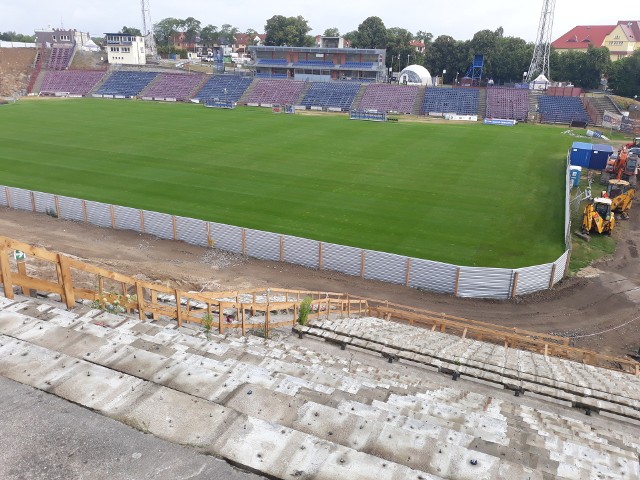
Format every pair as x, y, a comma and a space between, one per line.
244, 324
7, 194
5, 271
514, 285
208, 229
142, 221
22, 270
56, 202
41, 253
86, 267
84, 211
319, 255
27, 283
457, 284
175, 227
407, 272
33, 201
362, 262
154, 303
67, 281
553, 274
244, 242
178, 308
59, 277
85, 294
281, 248
140, 296
113, 216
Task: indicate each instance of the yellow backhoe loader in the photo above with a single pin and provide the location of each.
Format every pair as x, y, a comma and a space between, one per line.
621, 194
598, 217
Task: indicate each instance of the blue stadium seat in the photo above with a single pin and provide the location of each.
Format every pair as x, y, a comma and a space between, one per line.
461, 101
561, 109
215, 87
126, 84
331, 95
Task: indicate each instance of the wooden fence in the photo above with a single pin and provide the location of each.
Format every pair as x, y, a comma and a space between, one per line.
262, 309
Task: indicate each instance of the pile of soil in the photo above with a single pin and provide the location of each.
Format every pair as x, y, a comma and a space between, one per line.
16, 65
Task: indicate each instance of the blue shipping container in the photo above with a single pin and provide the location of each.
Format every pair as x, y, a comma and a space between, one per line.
580, 154
599, 156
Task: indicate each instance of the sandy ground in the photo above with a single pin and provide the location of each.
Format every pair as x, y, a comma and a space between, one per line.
598, 308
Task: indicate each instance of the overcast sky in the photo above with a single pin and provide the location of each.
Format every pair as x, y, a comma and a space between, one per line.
458, 18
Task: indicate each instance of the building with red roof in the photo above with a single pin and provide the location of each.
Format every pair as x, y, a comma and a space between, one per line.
621, 39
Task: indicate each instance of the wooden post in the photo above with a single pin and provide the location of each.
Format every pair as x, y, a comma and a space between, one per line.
7, 282
100, 289
553, 274
328, 309
140, 295
295, 313
33, 201
282, 251
457, 284
208, 228
141, 221
267, 320
22, 270
154, 302
514, 285
188, 308
113, 216
60, 282
244, 327
7, 194
56, 202
84, 211
566, 267
348, 306
319, 255
362, 260
178, 308
244, 242
464, 333
67, 281
546, 349
175, 227
220, 322
407, 274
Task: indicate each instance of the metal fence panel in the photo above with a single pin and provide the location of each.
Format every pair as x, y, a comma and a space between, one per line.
226, 237
20, 199
158, 224
478, 282
386, 267
3, 196
301, 251
263, 245
192, 231
45, 202
561, 264
432, 276
127, 218
99, 214
70, 209
341, 258
533, 279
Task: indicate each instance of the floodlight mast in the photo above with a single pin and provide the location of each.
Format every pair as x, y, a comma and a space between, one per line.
147, 29
542, 51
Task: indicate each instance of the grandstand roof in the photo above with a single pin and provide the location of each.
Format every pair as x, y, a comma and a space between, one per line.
582, 36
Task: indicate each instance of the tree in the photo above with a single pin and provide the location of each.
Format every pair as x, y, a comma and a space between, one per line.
227, 34
135, 32
17, 37
512, 59
164, 29
583, 69
624, 78
331, 32
424, 37
209, 34
371, 34
398, 46
191, 28
290, 31
448, 54
485, 42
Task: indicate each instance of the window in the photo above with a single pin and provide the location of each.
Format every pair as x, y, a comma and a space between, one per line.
115, 49
126, 50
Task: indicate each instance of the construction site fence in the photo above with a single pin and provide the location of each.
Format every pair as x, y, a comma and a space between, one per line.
461, 281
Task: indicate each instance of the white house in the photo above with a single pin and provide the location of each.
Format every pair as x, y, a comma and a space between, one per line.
124, 49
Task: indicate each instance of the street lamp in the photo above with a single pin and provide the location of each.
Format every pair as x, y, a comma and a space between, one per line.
524, 74
443, 73
408, 57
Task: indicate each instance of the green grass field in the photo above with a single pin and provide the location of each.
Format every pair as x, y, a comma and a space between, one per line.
465, 194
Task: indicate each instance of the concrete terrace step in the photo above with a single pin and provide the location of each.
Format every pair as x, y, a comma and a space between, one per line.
520, 370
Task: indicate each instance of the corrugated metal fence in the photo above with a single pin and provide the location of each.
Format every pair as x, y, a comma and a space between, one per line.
501, 283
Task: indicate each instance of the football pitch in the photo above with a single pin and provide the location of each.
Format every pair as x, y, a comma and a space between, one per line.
466, 194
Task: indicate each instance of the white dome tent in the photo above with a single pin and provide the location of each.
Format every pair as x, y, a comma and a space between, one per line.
415, 75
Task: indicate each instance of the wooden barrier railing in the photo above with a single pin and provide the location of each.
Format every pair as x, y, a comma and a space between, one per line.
230, 309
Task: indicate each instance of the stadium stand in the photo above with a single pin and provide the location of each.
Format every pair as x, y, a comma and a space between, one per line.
126, 83
357, 65
174, 85
60, 57
339, 414
275, 91
389, 98
462, 101
331, 95
271, 75
555, 109
510, 103
272, 61
73, 82
215, 87
314, 63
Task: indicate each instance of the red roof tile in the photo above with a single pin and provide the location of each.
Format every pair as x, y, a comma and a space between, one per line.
634, 27
582, 36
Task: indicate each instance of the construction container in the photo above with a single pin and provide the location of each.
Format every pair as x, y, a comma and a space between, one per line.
574, 174
580, 154
599, 156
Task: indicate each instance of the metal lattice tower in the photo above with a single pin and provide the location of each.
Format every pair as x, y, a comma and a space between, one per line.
147, 29
540, 61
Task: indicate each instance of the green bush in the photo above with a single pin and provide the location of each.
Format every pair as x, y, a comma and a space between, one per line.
303, 312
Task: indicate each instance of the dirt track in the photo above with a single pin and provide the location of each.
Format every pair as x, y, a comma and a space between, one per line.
577, 306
